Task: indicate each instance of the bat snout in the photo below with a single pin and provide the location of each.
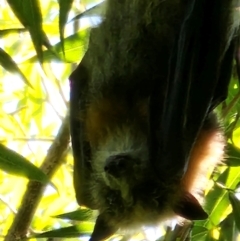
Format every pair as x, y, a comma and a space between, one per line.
117, 165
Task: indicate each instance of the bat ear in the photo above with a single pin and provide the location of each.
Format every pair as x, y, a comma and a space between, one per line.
188, 207
102, 229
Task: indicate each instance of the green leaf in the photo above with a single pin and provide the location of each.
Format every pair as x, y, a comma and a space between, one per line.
84, 229
78, 215
29, 14
233, 156
74, 47
97, 10
217, 200
14, 163
236, 208
199, 233
209, 237
8, 63
6, 32
228, 229
64, 8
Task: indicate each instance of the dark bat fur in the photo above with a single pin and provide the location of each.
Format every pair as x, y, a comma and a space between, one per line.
144, 134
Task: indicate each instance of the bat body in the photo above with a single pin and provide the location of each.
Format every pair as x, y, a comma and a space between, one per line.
138, 160
123, 184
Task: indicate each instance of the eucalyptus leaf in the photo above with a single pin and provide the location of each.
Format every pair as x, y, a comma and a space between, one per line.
29, 14
14, 163
78, 215
83, 229
64, 8
233, 156
228, 229
8, 63
98, 11
74, 46
236, 208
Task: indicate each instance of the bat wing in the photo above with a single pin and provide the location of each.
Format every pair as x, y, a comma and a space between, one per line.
199, 74
81, 148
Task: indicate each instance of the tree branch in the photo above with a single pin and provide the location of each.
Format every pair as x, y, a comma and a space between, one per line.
20, 226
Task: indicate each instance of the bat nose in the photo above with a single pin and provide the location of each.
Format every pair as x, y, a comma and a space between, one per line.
116, 165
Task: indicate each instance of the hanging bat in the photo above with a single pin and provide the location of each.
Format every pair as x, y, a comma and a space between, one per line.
144, 133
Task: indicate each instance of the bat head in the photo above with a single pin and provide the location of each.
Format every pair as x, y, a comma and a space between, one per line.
127, 191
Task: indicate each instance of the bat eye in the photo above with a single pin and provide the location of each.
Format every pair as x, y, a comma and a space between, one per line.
116, 165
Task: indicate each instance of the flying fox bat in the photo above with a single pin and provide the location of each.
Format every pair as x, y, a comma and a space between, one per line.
144, 134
